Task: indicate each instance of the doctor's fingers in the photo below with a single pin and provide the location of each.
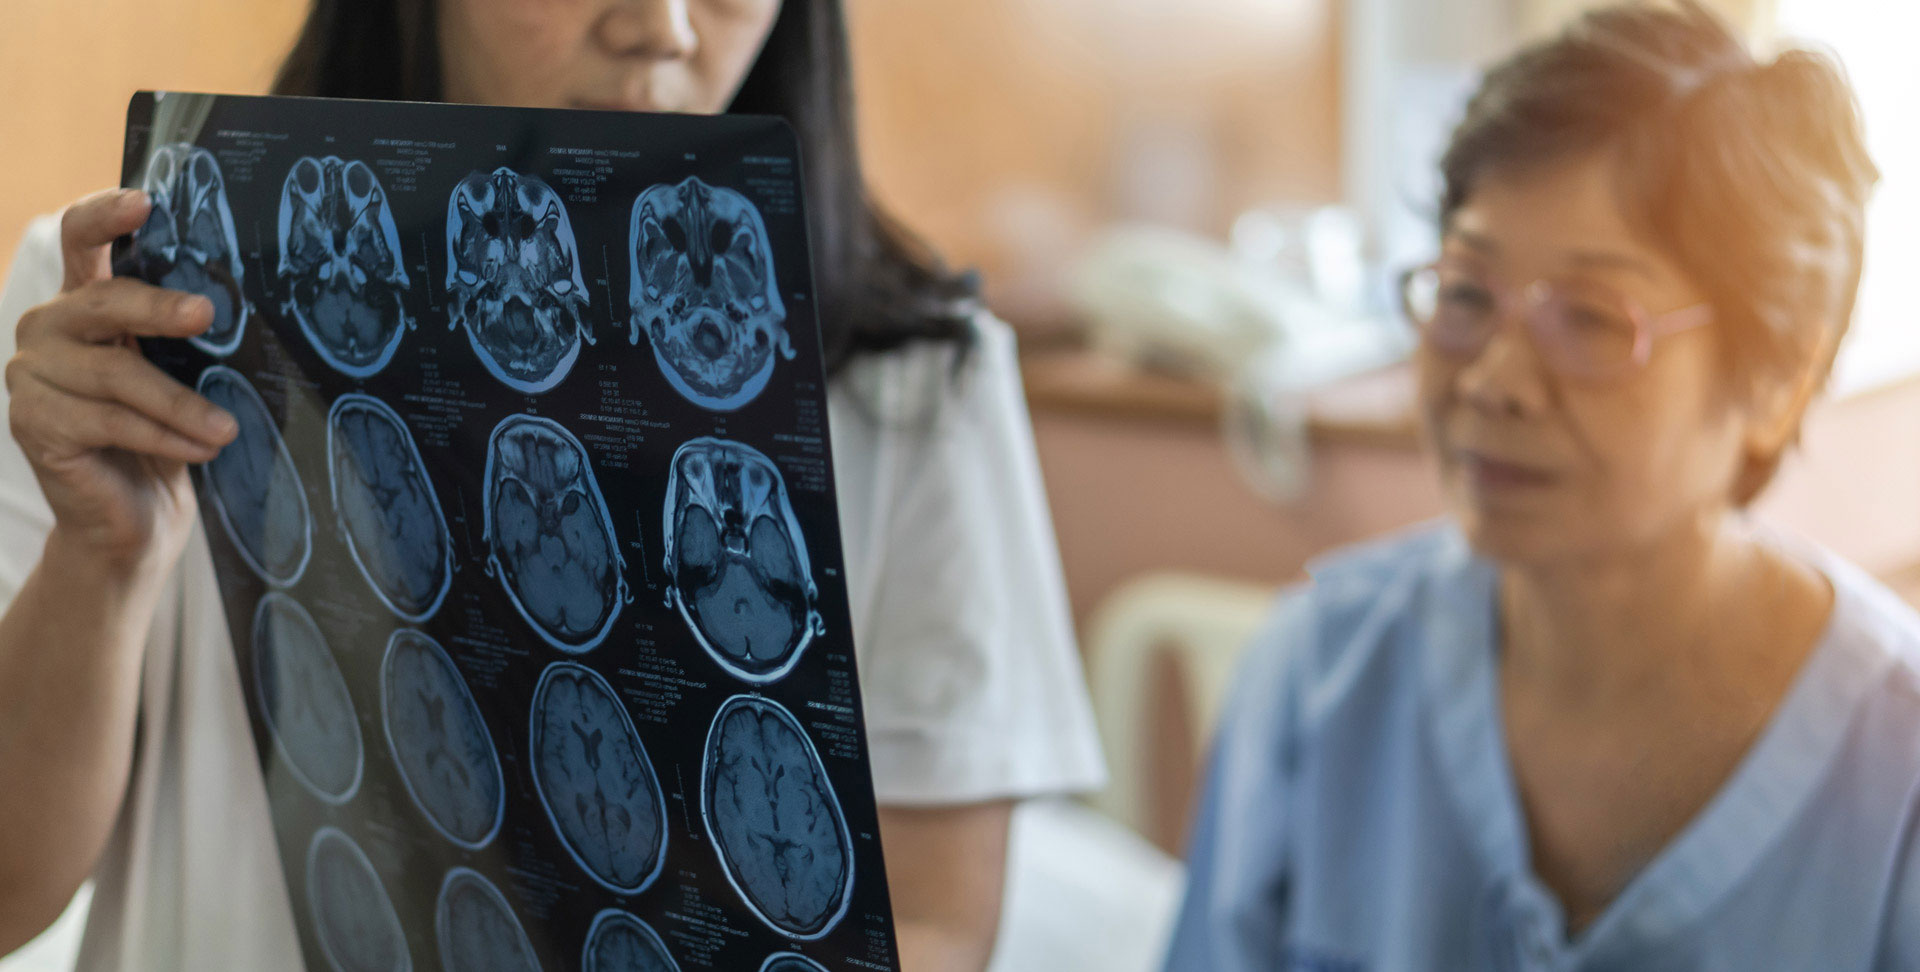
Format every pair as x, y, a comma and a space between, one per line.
112, 310
89, 225
53, 426
48, 383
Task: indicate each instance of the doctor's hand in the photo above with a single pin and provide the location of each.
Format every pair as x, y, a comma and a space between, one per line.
109, 434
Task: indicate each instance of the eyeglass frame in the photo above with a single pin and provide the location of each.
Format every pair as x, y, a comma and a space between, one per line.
1647, 327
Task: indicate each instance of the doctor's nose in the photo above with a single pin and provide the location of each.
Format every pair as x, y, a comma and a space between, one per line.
658, 30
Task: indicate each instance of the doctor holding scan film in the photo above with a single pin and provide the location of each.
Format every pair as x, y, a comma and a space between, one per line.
345, 354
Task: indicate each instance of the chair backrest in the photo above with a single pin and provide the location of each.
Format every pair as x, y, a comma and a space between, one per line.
1161, 651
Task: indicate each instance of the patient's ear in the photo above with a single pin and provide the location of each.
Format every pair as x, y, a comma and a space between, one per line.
1777, 402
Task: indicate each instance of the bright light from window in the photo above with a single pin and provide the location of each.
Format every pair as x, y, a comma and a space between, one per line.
1874, 40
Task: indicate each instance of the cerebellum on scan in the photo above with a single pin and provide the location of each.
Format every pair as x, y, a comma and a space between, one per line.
701, 286
513, 278
188, 241
341, 265
549, 536
736, 561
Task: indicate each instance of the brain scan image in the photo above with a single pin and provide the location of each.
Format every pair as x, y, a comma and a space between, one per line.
304, 700
439, 741
513, 278
595, 779
791, 962
256, 491
387, 508
341, 264
702, 288
477, 929
735, 559
774, 820
619, 942
549, 536
354, 918
188, 242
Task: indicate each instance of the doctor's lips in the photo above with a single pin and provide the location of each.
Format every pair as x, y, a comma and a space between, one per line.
1487, 473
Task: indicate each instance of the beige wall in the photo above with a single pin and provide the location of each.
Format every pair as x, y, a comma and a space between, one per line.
1000, 128
68, 66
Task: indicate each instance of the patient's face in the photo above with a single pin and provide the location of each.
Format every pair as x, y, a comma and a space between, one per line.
1539, 467
637, 55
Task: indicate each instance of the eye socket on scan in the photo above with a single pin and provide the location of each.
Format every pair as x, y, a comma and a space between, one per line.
308, 175
358, 182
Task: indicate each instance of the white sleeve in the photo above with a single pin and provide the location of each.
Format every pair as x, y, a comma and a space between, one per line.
24, 516
971, 681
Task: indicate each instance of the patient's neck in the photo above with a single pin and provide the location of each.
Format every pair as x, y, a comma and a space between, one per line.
1707, 606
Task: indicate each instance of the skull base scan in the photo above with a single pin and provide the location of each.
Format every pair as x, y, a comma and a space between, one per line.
619, 942
340, 261
256, 491
188, 242
387, 508
513, 278
736, 561
304, 700
440, 741
549, 536
354, 918
702, 287
774, 819
477, 930
595, 779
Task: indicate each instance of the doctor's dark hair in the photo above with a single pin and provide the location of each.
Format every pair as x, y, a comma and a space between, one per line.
1752, 177
879, 286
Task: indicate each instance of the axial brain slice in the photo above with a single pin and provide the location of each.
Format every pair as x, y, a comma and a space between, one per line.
477, 929
549, 535
340, 262
702, 287
790, 962
619, 942
305, 700
513, 278
357, 926
387, 507
774, 819
439, 740
255, 489
594, 777
188, 242
736, 561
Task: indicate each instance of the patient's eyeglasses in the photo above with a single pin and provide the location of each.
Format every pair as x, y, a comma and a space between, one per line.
1581, 329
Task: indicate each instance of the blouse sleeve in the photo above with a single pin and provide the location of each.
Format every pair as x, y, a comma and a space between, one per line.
970, 676
25, 518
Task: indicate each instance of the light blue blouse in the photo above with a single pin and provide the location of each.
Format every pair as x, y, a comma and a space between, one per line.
1361, 816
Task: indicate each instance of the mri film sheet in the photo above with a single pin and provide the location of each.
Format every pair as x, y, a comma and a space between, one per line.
528, 544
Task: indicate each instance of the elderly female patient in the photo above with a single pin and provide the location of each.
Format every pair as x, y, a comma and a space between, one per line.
1600, 718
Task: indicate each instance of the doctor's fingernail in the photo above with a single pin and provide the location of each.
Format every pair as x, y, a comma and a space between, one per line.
192, 305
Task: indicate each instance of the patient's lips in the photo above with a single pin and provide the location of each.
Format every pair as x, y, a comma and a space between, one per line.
1487, 474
